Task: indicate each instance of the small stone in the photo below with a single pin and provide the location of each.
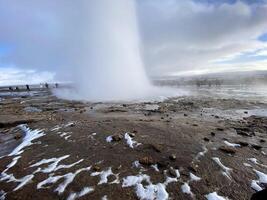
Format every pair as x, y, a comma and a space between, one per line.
131, 134
18, 136
246, 112
195, 124
243, 144
262, 141
229, 150
206, 139
157, 148
257, 147
147, 160
117, 137
219, 129
212, 134
96, 168
185, 115
172, 172
172, 157
163, 163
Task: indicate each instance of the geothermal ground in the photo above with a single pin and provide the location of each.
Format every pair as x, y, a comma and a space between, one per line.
191, 147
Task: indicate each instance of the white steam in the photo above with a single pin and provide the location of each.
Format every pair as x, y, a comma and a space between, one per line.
111, 66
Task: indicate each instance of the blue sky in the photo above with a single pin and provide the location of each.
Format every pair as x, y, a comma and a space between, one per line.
43, 37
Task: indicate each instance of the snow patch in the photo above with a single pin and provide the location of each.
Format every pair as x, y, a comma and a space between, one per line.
149, 191
255, 184
109, 139
104, 176
215, 196
194, 177
130, 142
186, 189
68, 178
84, 191
225, 170
231, 144
27, 140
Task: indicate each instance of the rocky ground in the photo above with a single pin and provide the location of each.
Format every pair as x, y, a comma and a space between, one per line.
181, 148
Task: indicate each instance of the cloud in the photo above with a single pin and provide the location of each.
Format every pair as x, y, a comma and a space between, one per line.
182, 35
14, 76
176, 35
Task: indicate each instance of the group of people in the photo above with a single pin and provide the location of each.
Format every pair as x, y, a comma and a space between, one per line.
46, 85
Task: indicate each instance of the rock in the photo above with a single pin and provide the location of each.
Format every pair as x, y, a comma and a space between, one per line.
212, 134
18, 136
185, 115
246, 112
163, 163
172, 172
262, 141
206, 139
220, 129
194, 124
243, 133
256, 146
216, 116
131, 134
192, 168
147, 160
242, 143
96, 168
117, 137
261, 195
172, 157
229, 150
156, 147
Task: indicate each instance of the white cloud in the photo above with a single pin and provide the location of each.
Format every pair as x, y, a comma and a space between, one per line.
15, 76
177, 35
184, 35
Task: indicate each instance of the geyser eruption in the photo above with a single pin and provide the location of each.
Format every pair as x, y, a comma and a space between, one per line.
111, 67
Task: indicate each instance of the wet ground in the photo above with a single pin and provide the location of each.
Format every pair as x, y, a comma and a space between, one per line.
198, 146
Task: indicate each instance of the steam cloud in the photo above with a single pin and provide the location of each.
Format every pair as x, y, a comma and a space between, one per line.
111, 67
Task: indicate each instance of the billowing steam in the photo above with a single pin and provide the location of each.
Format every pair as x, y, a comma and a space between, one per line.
110, 67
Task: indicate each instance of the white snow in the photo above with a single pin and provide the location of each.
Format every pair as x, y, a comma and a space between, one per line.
104, 197
186, 189
136, 164
254, 185
130, 142
262, 176
215, 196
231, 144
194, 177
2, 195
155, 167
255, 161
149, 191
68, 178
247, 165
104, 176
84, 191
109, 138
226, 170
201, 154
13, 163
54, 164
27, 140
